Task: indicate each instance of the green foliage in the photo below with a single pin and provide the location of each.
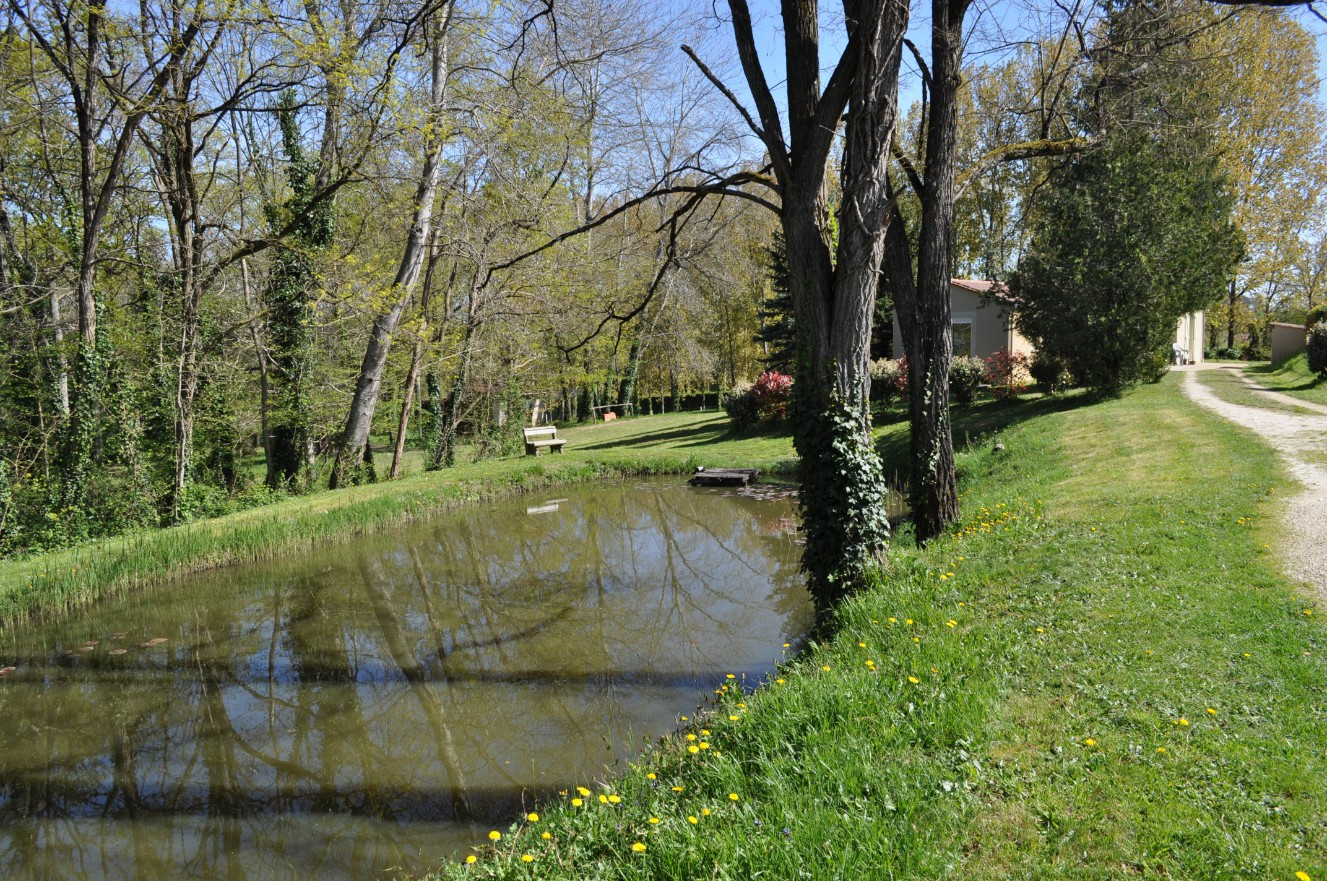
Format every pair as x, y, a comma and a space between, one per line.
1127, 239
764, 402
889, 380
1317, 349
1315, 315
777, 333
290, 296
1052, 373
965, 375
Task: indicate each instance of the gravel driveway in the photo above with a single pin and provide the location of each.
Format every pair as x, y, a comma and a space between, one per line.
1301, 439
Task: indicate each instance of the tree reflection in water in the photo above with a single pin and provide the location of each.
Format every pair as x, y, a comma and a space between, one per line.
378, 705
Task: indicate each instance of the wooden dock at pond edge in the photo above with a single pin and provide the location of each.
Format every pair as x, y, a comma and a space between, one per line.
724, 476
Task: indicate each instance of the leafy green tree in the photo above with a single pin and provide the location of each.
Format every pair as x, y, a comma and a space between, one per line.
776, 334
1129, 237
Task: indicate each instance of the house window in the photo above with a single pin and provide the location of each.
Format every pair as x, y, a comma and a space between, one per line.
962, 336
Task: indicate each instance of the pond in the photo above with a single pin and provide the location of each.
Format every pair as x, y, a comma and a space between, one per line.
379, 706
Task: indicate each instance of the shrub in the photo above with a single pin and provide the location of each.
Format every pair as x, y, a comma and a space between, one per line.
1008, 374
965, 374
1050, 372
1316, 314
740, 405
764, 402
1317, 348
1253, 352
889, 380
772, 391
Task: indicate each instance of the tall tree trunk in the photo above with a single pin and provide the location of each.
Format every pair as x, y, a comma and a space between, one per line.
354, 438
1231, 301
928, 338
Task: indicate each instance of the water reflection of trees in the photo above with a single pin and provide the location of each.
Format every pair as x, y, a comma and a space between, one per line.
442, 677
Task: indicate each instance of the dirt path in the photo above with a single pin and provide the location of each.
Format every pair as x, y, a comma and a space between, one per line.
1301, 439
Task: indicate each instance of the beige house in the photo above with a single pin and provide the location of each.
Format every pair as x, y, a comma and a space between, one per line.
982, 314
1287, 339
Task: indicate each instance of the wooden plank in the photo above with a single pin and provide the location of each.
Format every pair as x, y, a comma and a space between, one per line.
724, 476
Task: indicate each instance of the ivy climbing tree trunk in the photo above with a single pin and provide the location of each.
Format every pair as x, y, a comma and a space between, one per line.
833, 287
309, 219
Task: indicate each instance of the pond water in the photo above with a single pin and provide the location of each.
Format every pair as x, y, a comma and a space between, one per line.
381, 705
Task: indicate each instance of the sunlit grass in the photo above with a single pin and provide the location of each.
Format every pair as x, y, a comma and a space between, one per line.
1099, 674
1292, 377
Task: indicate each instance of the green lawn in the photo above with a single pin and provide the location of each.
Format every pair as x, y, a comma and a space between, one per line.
1292, 377
1100, 674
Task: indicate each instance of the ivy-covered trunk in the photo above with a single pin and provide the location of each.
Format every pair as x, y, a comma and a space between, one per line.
310, 216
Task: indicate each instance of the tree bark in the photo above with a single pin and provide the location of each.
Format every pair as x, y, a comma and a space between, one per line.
928, 339
354, 437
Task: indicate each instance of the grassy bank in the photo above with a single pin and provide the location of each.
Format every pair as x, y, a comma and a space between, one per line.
1101, 674
1291, 376
675, 443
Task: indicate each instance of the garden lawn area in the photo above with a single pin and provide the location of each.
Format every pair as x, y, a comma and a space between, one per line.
667, 444
1291, 376
1099, 674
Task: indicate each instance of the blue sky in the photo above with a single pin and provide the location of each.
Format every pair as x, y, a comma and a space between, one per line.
992, 25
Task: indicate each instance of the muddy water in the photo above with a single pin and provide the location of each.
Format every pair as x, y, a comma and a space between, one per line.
379, 706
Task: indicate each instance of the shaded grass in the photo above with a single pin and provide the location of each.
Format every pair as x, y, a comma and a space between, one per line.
1110, 583
1291, 376
671, 444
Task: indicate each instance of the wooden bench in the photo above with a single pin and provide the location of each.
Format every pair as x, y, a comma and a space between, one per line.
539, 438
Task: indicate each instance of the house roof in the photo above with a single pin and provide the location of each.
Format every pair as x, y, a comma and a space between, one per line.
995, 289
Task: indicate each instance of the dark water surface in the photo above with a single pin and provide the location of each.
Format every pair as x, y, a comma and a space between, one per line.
381, 705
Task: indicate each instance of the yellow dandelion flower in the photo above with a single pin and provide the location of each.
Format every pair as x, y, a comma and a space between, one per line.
734, 718
532, 817
1303, 876
1211, 712
614, 799
603, 799
527, 858
692, 820
691, 737
731, 676
825, 668
786, 645
704, 745
951, 623
583, 791
684, 719
909, 621
704, 812
732, 796
1247, 655
651, 776
1041, 629
1184, 722
742, 705
1090, 742
693, 749
1161, 749
654, 821
676, 788
704, 732
893, 620
495, 835
914, 680
576, 802
638, 848
780, 681
546, 835
470, 860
